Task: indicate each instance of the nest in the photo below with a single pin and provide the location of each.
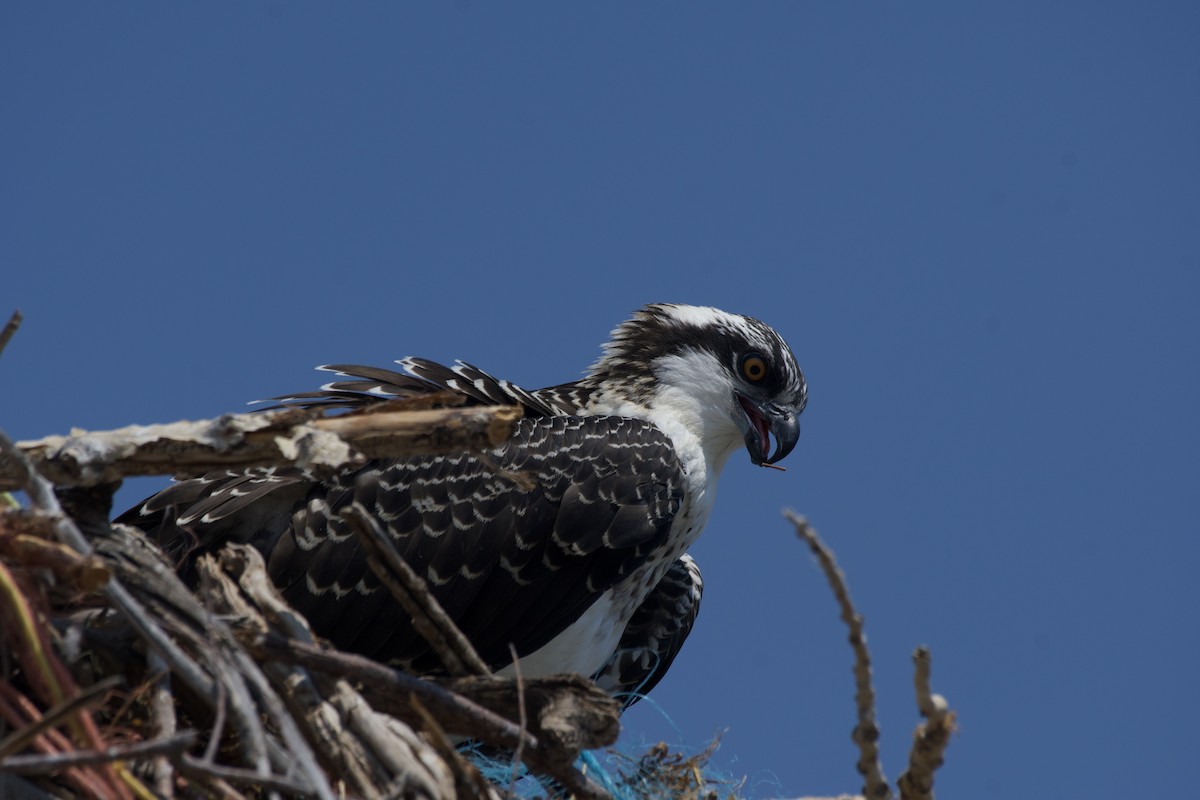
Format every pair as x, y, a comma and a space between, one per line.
117, 680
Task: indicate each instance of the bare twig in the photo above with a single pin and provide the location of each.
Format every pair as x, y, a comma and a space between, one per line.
259, 751
571, 717
163, 720
455, 713
218, 725
10, 328
88, 573
247, 722
19, 711
358, 746
195, 768
57, 762
429, 619
866, 732
522, 721
25, 627
195, 649
931, 738
281, 437
87, 697
298, 754
41, 493
468, 782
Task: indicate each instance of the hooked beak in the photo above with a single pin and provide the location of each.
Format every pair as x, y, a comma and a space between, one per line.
761, 421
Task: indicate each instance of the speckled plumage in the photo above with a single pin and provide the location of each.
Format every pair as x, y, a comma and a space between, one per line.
584, 572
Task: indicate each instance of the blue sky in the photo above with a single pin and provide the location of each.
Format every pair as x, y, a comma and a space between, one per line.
977, 224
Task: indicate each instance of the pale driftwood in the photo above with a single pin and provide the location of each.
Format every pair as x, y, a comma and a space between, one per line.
367, 752
480, 708
279, 437
570, 713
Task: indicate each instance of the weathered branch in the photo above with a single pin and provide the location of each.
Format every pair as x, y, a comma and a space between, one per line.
567, 713
57, 762
163, 721
280, 437
428, 617
931, 738
86, 698
359, 745
10, 328
866, 732
291, 786
89, 573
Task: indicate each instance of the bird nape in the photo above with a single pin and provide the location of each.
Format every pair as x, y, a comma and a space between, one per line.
585, 572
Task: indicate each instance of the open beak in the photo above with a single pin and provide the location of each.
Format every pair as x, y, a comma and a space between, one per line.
760, 422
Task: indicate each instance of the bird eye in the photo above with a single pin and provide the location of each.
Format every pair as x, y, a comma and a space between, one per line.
754, 368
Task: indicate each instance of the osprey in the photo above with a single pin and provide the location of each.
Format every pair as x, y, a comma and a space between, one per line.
587, 571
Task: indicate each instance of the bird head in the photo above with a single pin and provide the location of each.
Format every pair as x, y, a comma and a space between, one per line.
724, 378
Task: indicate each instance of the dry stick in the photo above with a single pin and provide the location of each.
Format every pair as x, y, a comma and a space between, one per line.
215, 692
866, 732
203, 770
252, 736
41, 493
246, 682
279, 437
523, 720
400, 753
218, 725
87, 697
49, 678
10, 328
383, 740
217, 786
454, 713
466, 777
298, 752
429, 619
163, 719
19, 710
225, 589
297, 746
214, 643
930, 739
457, 714
51, 764
87, 573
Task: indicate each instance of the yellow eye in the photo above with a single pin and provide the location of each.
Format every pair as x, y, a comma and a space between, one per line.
754, 369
